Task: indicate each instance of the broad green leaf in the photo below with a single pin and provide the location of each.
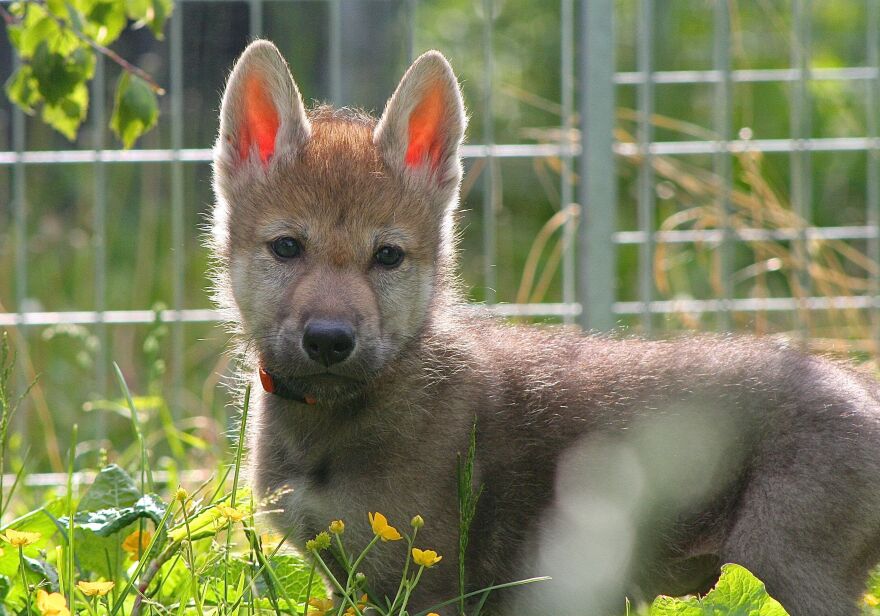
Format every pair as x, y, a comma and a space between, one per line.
137, 9
291, 570
21, 88
135, 111
293, 573
742, 593
150, 13
58, 8
670, 606
44, 570
737, 593
37, 27
161, 12
58, 75
113, 487
106, 522
102, 556
104, 19
67, 116
35, 30
106, 515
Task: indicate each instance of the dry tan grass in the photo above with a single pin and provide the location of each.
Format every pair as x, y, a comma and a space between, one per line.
799, 268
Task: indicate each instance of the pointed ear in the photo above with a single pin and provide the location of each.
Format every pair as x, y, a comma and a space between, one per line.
423, 123
262, 117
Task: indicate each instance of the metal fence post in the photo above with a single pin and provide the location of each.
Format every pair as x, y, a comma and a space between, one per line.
178, 216
872, 159
647, 205
722, 162
597, 255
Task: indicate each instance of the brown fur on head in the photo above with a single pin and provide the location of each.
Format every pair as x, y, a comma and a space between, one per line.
342, 186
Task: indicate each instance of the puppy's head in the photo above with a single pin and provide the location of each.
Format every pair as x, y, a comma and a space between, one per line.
332, 229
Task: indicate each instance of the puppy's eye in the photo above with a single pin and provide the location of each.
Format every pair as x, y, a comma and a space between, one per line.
389, 256
285, 247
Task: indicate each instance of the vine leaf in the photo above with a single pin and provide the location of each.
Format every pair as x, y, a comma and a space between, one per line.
57, 42
738, 593
135, 111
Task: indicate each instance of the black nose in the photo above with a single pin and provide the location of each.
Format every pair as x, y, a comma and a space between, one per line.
328, 342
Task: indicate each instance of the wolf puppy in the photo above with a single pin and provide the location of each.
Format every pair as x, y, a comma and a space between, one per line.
615, 466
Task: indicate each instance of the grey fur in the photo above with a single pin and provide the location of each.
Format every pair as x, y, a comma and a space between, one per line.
618, 466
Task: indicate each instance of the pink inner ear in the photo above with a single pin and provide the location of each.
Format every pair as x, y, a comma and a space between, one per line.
425, 131
260, 122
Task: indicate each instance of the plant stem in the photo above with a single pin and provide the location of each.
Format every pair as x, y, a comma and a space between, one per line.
410, 541
360, 558
264, 564
71, 512
23, 575
149, 574
409, 588
239, 450
467, 508
9, 19
335, 582
192, 564
309, 590
161, 526
343, 553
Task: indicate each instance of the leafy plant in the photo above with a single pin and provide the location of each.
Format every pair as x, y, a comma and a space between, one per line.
737, 593
57, 42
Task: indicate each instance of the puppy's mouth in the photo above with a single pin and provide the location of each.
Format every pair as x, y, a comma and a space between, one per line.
310, 388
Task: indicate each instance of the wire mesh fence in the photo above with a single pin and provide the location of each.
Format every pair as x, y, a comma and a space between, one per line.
663, 201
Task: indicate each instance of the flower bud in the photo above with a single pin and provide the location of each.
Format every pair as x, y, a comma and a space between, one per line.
320, 542
417, 521
337, 527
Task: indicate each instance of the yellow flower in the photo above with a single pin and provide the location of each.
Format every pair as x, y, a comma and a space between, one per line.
52, 604
871, 600
362, 603
137, 543
337, 527
382, 529
91, 589
20, 538
323, 606
425, 558
433, 614
270, 541
231, 513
